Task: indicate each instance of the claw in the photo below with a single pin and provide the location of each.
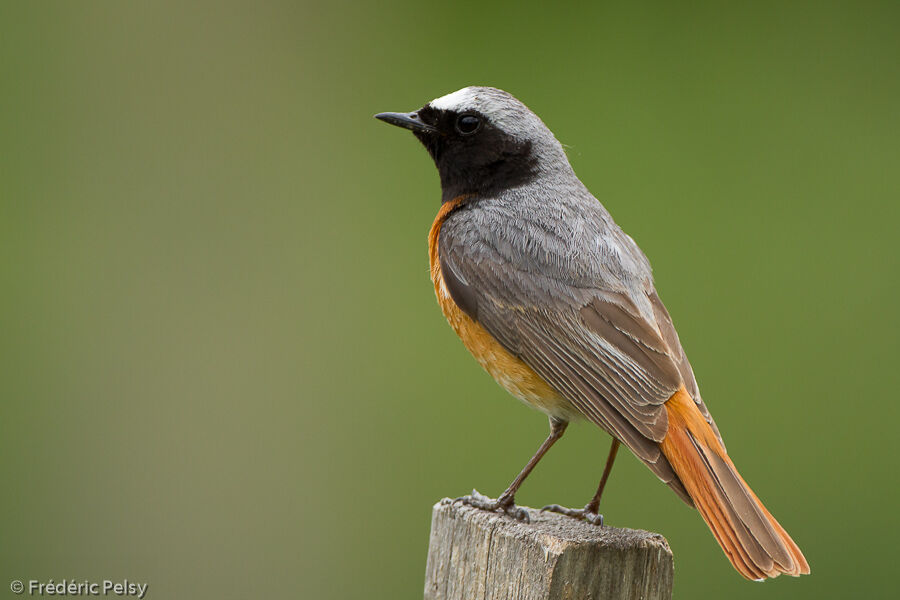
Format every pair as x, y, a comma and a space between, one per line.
594, 519
580, 514
518, 513
501, 504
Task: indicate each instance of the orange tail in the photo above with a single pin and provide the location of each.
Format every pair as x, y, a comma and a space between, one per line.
754, 542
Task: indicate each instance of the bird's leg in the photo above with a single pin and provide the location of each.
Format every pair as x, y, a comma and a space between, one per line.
506, 501
594, 504
589, 513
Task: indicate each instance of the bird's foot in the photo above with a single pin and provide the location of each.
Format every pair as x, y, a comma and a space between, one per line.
588, 513
504, 504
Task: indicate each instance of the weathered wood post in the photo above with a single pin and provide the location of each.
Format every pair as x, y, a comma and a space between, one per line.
479, 555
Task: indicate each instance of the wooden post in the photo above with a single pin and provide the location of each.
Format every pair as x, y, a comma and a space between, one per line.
479, 555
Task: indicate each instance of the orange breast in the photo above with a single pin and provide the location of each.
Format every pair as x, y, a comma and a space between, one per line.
515, 376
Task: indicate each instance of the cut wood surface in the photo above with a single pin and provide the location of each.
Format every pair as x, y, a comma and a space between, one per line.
479, 555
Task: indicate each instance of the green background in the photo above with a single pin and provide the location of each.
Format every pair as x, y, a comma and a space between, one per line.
222, 368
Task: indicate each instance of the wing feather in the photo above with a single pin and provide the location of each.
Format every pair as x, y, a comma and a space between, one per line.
613, 354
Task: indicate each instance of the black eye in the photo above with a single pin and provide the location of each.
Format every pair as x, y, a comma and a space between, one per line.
467, 124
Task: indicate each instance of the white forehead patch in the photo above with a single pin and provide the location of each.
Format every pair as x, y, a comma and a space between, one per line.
459, 100
501, 109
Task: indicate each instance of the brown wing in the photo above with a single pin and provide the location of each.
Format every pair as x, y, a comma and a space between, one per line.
667, 329
594, 346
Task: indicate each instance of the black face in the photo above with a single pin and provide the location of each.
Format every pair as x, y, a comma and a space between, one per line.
473, 156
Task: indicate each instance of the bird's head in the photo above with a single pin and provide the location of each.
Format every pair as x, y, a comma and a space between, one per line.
482, 140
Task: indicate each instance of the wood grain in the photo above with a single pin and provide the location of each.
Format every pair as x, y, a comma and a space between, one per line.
479, 555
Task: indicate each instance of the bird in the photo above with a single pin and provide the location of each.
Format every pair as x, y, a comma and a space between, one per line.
558, 304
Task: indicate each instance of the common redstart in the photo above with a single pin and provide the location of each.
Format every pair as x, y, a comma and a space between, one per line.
557, 303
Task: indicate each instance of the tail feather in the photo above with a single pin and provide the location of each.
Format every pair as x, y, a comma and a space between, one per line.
752, 539
800, 564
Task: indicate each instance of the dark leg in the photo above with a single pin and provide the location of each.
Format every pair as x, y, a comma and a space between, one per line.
589, 513
506, 501
594, 504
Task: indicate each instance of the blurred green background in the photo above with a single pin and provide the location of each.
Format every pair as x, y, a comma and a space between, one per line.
223, 370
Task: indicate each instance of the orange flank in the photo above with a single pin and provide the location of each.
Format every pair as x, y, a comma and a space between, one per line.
515, 376
753, 540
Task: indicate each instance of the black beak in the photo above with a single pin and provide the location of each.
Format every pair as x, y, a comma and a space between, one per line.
410, 121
